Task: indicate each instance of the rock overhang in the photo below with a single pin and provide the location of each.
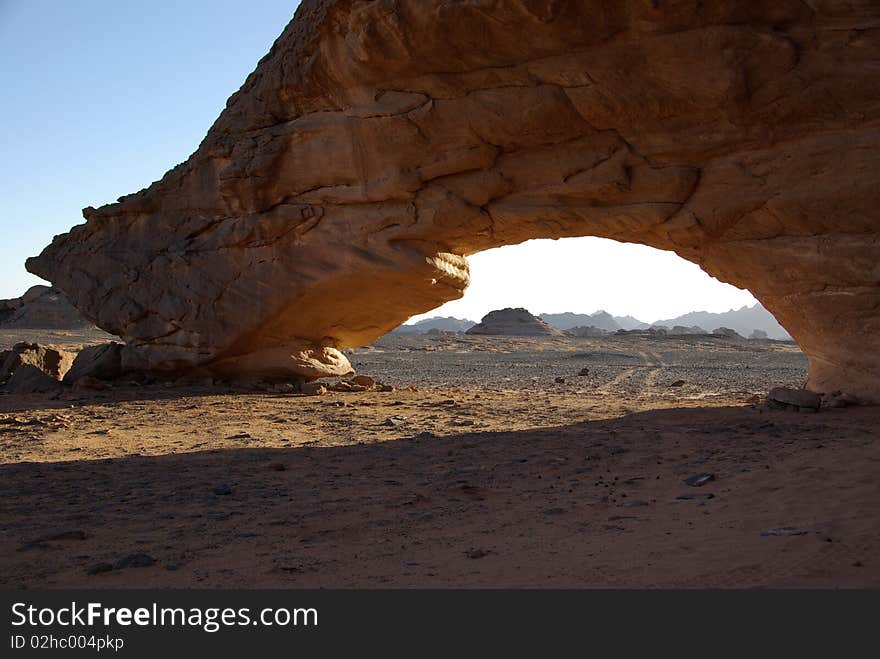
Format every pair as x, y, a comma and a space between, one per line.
379, 143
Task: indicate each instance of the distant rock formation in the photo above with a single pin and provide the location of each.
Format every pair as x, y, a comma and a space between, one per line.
726, 333
588, 331
680, 330
514, 322
744, 321
598, 320
446, 324
41, 307
758, 335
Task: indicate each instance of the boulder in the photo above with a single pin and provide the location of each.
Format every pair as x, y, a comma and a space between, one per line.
102, 362
52, 361
378, 144
28, 379
313, 389
795, 398
363, 381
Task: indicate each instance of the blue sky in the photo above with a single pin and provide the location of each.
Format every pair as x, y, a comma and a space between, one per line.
102, 97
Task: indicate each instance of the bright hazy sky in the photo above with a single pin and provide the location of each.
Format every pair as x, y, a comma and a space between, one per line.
584, 275
102, 97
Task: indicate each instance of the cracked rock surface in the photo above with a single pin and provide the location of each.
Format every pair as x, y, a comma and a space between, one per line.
381, 142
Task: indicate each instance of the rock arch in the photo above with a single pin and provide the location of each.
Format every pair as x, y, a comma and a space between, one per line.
380, 142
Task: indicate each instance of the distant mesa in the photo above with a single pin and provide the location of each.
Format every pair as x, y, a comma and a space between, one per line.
726, 333
436, 324
41, 307
514, 322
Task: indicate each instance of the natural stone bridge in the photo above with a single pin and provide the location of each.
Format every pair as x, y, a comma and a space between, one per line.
380, 142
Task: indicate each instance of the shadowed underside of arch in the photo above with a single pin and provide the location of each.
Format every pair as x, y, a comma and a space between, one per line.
380, 142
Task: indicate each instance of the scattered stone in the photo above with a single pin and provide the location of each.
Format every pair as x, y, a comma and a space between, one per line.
395, 421
355, 388
785, 531
135, 560
222, 490
341, 387
636, 503
584, 372
554, 511
678, 383
278, 466
559, 380
58, 536
101, 362
283, 388
477, 553
691, 497
363, 381
385, 388
99, 568
796, 399
313, 389
699, 480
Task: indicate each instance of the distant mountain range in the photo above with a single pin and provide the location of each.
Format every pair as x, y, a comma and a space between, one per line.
444, 324
744, 321
600, 320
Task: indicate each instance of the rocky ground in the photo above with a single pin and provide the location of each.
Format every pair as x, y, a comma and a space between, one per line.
480, 468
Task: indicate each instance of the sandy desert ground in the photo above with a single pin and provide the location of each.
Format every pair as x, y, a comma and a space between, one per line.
480, 469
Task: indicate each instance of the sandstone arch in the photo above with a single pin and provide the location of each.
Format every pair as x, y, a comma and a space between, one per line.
382, 141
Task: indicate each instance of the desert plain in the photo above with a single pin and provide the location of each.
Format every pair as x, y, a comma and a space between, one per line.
613, 462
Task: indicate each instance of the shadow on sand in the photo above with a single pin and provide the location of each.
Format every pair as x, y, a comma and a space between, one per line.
594, 504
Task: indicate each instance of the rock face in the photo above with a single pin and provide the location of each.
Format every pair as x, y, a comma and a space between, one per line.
381, 142
41, 307
514, 322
